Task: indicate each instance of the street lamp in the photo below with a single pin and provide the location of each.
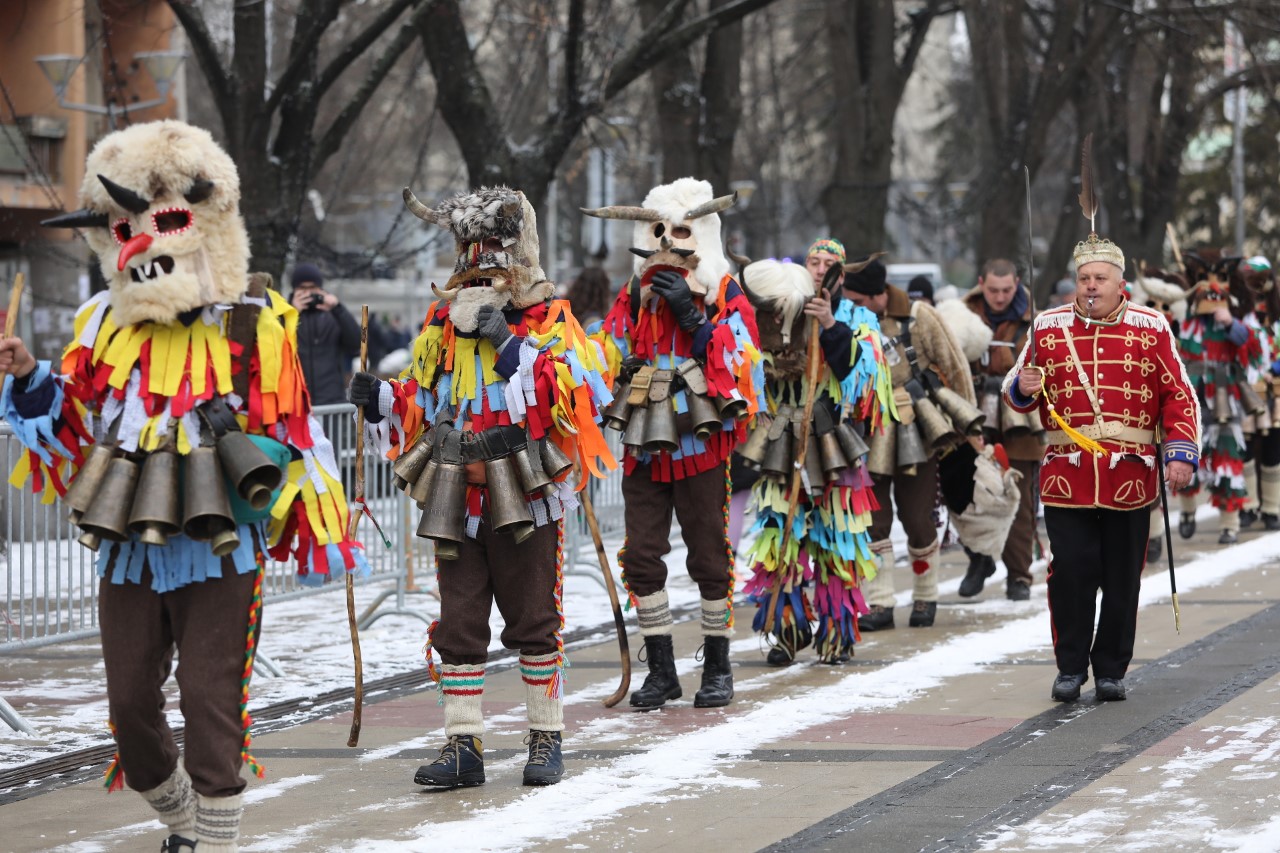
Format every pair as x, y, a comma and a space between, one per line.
162, 65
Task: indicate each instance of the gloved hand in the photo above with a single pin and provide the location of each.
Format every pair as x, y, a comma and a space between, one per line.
672, 287
493, 325
363, 389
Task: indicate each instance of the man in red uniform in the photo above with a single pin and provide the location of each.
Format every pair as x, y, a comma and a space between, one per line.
1104, 376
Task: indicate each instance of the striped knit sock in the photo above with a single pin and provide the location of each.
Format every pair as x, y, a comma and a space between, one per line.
462, 687
879, 589
715, 618
218, 823
654, 613
924, 565
174, 802
546, 713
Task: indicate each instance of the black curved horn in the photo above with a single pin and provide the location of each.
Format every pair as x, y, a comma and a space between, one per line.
83, 218
643, 253
128, 199
200, 190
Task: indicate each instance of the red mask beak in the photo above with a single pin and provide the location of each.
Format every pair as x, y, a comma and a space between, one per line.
135, 246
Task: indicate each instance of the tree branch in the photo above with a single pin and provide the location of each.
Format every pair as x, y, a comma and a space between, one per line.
921, 21
206, 52
573, 55
249, 55
356, 46
306, 39
342, 123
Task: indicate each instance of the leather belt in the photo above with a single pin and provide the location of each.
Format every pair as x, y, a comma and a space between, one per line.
1108, 431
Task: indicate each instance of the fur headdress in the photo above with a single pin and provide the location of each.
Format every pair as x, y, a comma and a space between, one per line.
161, 212
677, 227
973, 335
1166, 292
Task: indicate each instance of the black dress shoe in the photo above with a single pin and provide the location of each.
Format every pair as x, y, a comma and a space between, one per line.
1228, 537
1066, 688
922, 613
879, 619
1247, 518
1187, 525
1155, 547
981, 567
1109, 689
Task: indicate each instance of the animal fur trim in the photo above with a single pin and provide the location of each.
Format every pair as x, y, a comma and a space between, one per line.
973, 335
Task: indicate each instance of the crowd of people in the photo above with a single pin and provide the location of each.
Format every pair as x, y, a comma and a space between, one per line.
819, 393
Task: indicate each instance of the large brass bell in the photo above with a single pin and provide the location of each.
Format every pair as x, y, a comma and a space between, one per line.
1014, 423
753, 450
420, 491
157, 511
660, 434
634, 435
410, 465
991, 409
1251, 400
619, 411
935, 428
206, 510
731, 408
911, 450
1221, 404
555, 462
250, 471
508, 510
88, 480
881, 455
705, 417
851, 444
444, 520
108, 515
967, 417
813, 466
777, 456
833, 459
528, 464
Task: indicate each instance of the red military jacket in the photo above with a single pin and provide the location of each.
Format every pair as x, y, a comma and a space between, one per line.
1130, 362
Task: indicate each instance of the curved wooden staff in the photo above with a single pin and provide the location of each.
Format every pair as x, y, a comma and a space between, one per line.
618, 624
357, 507
15, 303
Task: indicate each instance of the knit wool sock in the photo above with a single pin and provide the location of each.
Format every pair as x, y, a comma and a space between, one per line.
715, 618
218, 823
463, 687
546, 713
174, 802
654, 613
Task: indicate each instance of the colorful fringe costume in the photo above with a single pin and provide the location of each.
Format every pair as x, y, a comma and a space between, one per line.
829, 545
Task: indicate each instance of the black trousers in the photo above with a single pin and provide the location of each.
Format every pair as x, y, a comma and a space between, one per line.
1095, 549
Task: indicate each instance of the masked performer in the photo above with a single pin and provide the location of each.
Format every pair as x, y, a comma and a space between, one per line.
1262, 429
170, 371
1218, 349
1103, 375
682, 339
830, 542
501, 398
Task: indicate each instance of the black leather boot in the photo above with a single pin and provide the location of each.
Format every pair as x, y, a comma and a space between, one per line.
661, 683
717, 676
1187, 525
460, 765
1155, 548
175, 843
545, 765
981, 567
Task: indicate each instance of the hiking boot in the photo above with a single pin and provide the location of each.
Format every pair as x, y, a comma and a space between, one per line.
1187, 525
879, 619
1155, 548
922, 613
1109, 689
1228, 537
981, 567
1247, 518
1270, 522
661, 683
1066, 688
717, 676
545, 765
1017, 591
460, 765
176, 844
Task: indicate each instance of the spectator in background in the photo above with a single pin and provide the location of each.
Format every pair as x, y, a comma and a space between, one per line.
328, 336
920, 288
591, 295
1063, 293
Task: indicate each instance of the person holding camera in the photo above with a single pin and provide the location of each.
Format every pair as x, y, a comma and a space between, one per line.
328, 336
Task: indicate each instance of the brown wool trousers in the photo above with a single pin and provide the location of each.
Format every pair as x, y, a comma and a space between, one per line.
699, 503
914, 496
493, 568
206, 623
1018, 547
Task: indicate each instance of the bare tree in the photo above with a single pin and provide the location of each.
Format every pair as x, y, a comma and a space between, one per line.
273, 128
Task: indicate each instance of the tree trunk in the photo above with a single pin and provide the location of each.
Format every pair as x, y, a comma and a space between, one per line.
721, 104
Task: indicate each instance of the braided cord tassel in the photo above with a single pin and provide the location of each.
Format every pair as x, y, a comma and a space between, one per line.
113, 778
622, 575
729, 549
555, 687
250, 649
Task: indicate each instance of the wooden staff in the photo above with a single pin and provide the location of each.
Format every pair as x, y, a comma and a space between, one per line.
15, 303
619, 625
357, 507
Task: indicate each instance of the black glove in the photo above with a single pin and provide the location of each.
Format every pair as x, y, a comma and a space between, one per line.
672, 287
491, 323
363, 389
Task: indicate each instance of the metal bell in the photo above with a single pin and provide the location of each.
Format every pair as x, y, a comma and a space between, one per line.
528, 464
250, 471
206, 510
813, 466
777, 456
108, 515
444, 519
634, 435
1221, 404
420, 491
1012, 422
157, 510
731, 408
851, 444
911, 451
833, 459
660, 428
555, 461
753, 450
967, 417
508, 509
1251, 400
992, 407
88, 480
619, 411
935, 428
882, 452
706, 419
410, 464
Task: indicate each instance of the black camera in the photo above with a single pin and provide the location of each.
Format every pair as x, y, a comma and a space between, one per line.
316, 301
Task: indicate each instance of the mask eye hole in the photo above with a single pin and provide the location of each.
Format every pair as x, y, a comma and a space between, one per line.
659, 230
171, 221
122, 231
679, 232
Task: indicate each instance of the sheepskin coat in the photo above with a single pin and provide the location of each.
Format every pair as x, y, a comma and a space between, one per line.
1025, 448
